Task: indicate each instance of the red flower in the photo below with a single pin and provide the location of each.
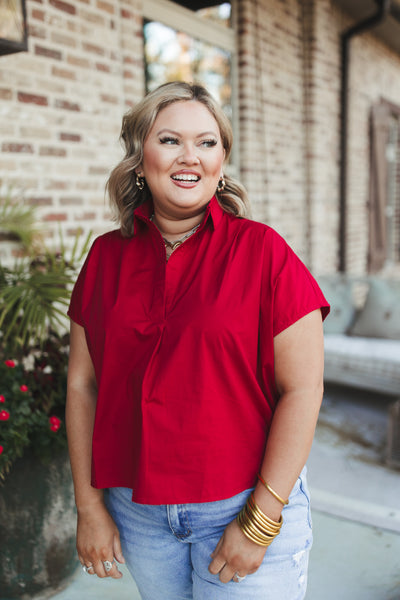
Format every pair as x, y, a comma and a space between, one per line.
1, 449
23, 388
9, 363
55, 423
2, 399
4, 415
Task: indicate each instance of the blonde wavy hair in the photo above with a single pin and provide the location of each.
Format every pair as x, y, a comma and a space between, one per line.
124, 195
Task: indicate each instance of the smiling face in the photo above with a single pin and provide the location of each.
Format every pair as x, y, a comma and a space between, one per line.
183, 157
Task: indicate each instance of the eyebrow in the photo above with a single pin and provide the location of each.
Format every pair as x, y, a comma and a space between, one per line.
166, 130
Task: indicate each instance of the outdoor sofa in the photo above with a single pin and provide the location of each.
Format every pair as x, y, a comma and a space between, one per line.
362, 343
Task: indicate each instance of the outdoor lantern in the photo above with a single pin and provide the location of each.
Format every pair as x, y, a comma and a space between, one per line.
13, 35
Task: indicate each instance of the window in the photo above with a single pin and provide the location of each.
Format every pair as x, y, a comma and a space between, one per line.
13, 36
172, 55
191, 45
384, 193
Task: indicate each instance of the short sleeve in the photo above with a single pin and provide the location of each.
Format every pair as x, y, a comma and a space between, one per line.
83, 284
295, 291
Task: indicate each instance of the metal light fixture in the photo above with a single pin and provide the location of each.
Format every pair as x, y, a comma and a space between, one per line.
13, 33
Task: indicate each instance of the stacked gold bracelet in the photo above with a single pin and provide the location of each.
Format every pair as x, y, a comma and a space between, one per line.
256, 526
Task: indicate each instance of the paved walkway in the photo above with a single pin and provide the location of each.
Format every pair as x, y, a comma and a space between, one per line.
356, 511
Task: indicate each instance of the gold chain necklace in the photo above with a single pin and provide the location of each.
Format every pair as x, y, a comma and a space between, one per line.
177, 243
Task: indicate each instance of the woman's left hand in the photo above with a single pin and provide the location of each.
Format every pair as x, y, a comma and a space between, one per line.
235, 554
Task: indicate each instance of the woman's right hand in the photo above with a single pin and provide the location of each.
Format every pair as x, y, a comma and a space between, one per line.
98, 541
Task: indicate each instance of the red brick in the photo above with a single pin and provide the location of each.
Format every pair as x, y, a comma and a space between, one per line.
41, 201
38, 14
52, 151
71, 201
103, 67
126, 14
14, 147
48, 52
74, 232
106, 6
56, 217
57, 184
93, 48
65, 73
99, 171
77, 61
5, 94
32, 99
108, 98
70, 137
67, 105
63, 40
64, 6
87, 216
36, 31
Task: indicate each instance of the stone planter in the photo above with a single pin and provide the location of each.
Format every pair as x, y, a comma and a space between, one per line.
37, 528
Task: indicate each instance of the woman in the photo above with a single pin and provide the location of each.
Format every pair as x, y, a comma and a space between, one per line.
195, 375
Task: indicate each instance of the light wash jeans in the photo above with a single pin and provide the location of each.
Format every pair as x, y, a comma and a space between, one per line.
167, 548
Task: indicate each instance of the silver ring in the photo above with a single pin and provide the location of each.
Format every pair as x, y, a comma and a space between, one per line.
86, 569
237, 578
108, 564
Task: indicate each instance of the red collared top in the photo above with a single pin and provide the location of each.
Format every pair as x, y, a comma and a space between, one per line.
183, 353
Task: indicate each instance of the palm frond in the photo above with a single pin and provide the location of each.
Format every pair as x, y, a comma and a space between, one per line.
19, 220
35, 292
32, 304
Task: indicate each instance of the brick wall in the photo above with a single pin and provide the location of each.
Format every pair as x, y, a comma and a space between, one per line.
289, 109
289, 58
272, 115
324, 82
61, 105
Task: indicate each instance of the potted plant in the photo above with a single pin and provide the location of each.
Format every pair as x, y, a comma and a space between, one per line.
36, 496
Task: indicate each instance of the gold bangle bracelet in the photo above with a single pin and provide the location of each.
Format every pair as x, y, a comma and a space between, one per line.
263, 528
253, 536
267, 523
247, 526
254, 527
261, 541
271, 491
261, 525
249, 521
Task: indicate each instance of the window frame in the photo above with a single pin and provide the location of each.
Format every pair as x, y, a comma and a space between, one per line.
393, 191
11, 46
380, 256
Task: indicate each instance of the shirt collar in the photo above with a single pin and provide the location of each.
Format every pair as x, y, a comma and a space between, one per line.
213, 210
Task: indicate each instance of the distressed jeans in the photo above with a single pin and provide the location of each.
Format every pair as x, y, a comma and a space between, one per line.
167, 548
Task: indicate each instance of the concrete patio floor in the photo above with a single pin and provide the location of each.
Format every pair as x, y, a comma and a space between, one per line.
356, 510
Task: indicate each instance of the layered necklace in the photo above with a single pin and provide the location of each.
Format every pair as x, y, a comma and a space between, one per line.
174, 245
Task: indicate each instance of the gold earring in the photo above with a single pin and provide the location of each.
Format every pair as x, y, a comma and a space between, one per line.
221, 184
139, 181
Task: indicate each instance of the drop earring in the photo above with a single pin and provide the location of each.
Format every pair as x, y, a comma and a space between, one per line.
139, 181
221, 184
